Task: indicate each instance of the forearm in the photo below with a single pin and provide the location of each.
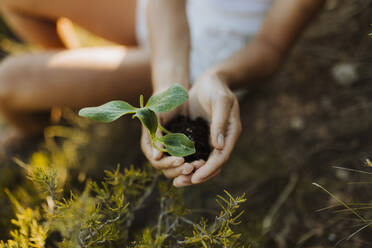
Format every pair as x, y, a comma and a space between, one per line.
169, 42
262, 57
256, 62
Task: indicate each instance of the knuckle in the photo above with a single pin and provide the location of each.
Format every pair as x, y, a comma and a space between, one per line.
155, 164
167, 175
8, 76
225, 98
163, 165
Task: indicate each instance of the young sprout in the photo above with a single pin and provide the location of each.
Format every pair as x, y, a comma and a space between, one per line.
176, 144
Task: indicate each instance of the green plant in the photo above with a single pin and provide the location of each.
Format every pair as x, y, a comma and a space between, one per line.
130, 207
352, 208
102, 215
176, 144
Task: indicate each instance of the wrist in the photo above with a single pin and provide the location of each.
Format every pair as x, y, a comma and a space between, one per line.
256, 62
219, 74
164, 85
165, 76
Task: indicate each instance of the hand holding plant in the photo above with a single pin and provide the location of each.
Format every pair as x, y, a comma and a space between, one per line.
211, 99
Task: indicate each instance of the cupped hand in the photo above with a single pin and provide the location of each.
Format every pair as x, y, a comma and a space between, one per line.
211, 98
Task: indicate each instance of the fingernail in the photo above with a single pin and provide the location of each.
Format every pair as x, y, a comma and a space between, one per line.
197, 163
155, 153
220, 140
188, 169
178, 162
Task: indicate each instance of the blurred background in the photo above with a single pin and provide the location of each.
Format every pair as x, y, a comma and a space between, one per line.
313, 116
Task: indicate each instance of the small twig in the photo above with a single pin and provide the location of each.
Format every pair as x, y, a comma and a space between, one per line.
140, 202
187, 221
352, 170
342, 203
161, 215
267, 222
358, 231
172, 227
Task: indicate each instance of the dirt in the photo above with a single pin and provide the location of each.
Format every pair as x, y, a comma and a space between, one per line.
197, 130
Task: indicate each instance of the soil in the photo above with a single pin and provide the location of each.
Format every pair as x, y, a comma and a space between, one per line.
197, 130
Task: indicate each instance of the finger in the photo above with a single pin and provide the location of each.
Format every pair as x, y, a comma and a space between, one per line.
198, 163
184, 169
221, 110
219, 157
157, 161
182, 181
215, 162
185, 180
235, 125
155, 152
216, 173
167, 162
146, 144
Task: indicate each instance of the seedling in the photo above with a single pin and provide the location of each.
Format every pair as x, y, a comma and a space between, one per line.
176, 144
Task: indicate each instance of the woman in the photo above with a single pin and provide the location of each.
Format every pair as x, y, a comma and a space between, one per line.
218, 45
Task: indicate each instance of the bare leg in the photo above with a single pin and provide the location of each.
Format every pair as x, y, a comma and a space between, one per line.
74, 78
35, 20
31, 84
31, 29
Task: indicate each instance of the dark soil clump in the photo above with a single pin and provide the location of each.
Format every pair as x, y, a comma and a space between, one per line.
197, 130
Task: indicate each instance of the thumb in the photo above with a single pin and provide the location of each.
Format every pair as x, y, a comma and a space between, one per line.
219, 120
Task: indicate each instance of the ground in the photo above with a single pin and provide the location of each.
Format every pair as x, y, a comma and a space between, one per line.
316, 113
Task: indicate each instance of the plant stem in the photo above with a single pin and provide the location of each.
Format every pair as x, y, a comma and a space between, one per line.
342, 203
156, 147
141, 101
163, 129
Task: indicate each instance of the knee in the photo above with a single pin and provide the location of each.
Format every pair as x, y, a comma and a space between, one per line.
9, 77
11, 6
20, 5
6, 6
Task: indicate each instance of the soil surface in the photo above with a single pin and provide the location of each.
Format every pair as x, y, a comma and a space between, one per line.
197, 130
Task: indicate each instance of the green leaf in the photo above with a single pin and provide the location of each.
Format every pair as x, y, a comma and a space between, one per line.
177, 144
148, 119
108, 112
168, 100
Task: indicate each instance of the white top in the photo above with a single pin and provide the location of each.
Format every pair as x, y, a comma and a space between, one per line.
218, 28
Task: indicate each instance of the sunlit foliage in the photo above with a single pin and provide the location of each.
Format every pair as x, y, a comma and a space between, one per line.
103, 213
